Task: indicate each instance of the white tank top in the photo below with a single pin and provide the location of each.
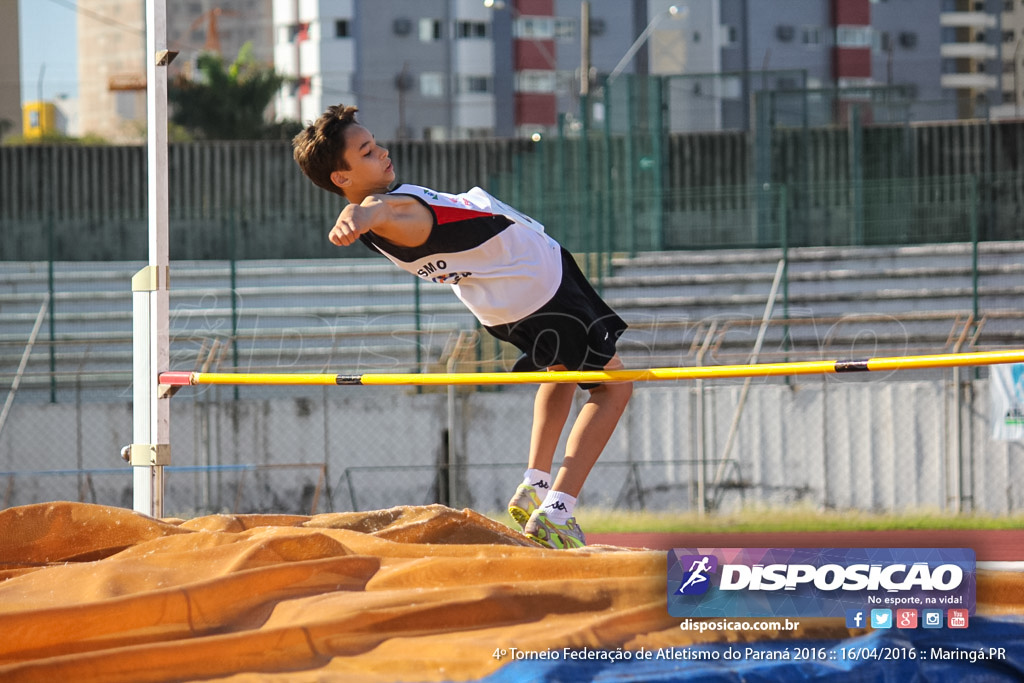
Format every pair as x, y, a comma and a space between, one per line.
499, 262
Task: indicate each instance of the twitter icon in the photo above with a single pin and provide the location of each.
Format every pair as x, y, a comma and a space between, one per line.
881, 618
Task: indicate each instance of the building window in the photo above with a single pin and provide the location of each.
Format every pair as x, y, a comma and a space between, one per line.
435, 133
477, 133
536, 81
810, 35
534, 28
342, 28
730, 88
475, 84
853, 36
1008, 36
565, 29
882, 42
430, 30
432, 84
471, 29
126, 104
287, 33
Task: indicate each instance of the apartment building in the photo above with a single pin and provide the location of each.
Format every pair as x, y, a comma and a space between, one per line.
1011, 101
10, 70
112, 46
451, 69
466, 68
971, 54
455, 69
848, 51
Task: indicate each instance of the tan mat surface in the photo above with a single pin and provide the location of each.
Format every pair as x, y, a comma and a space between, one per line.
95, 593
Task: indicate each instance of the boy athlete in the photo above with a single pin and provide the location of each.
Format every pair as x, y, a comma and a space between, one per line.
521, 285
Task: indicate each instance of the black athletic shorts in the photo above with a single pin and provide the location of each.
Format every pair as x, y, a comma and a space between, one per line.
575, 328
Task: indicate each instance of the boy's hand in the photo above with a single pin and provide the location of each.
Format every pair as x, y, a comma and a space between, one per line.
397, 218
355, 220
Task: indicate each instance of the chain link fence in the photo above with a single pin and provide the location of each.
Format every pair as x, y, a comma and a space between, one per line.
902, 441
878, 446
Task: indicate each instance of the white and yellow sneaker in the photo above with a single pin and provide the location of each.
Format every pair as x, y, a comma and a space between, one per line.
523, 503
558, 536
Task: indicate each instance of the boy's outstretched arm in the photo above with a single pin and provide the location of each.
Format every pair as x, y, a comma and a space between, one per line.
399, 219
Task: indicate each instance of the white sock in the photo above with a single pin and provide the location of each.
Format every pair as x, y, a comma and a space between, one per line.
538, 479
558, 506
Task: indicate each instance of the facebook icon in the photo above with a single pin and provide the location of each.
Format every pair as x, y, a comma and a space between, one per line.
855, 618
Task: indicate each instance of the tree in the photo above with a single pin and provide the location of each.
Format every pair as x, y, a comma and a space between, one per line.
228, 103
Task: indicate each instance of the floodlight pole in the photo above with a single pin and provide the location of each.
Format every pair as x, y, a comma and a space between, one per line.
674, 11
150, 450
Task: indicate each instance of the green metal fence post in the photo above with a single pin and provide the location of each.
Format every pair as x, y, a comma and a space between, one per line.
539, 190
975, 209
631, 168
656, 102
52, 314
784, 243
584, 213
608, 197
559, 185
803, 191
856, 152
233, 268
763, 105
417, 307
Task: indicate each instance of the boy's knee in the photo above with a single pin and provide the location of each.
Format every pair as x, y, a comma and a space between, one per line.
615, 391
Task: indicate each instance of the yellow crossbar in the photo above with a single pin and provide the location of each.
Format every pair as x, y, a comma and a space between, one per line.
568, 377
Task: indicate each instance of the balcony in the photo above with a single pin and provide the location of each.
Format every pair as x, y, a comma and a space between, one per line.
969, 51
978, 20
974, 81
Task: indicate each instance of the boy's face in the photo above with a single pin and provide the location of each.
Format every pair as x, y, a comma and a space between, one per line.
369, 167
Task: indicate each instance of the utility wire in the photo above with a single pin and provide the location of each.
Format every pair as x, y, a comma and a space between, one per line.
97, 16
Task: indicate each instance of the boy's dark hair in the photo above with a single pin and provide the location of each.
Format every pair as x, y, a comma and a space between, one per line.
320, 148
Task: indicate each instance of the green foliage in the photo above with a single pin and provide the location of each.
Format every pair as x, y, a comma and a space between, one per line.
226, 101
797, 518
90, 140
765, 520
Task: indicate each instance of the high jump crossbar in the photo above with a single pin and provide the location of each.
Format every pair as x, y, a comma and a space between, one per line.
818, 367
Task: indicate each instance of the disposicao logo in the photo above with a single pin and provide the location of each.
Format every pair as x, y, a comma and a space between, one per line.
696, 580
756, 582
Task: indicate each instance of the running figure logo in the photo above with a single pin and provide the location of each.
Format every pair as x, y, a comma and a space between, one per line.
696, 580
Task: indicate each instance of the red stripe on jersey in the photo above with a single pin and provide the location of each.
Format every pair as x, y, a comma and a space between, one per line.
453, 214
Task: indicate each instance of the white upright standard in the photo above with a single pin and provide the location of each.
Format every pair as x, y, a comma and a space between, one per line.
150, 450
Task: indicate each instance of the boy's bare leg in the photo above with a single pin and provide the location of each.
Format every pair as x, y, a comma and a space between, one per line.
550, 411
591, 431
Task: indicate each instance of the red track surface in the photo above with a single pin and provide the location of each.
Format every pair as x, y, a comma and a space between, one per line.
988, 545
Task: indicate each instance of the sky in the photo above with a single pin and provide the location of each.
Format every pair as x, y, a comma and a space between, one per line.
48, 49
